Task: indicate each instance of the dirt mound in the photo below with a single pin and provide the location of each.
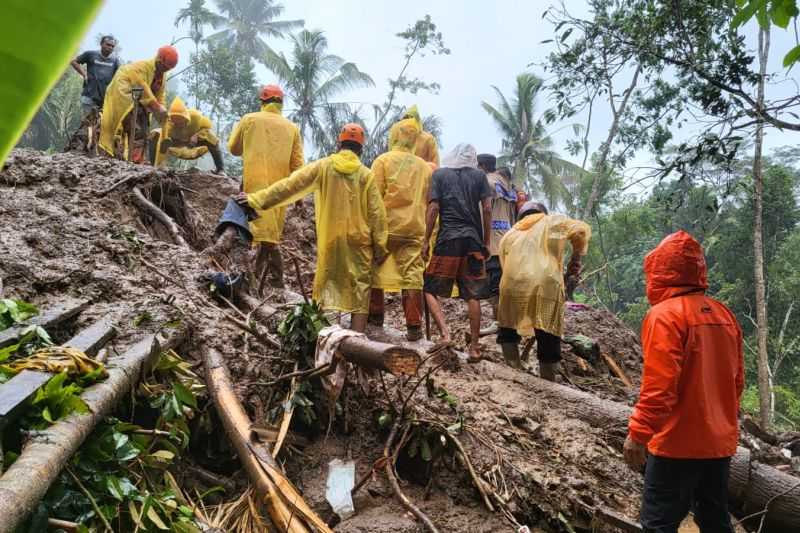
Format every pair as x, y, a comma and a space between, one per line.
63, 236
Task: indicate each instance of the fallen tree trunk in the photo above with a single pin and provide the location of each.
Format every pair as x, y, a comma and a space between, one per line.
752, 486
51, 316
376, 355
286, 507
26, 481
153, 210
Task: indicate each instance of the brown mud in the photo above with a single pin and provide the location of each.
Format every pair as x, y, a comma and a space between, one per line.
61, 237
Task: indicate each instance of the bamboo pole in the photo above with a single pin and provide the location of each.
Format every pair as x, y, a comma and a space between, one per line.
285, 505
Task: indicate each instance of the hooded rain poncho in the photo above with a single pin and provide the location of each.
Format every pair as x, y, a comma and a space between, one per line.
425, 145
272, 149
403, 180
350, 221
119, 102
532, 286
196, 124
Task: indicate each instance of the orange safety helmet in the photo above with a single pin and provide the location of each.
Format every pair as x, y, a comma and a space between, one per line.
168, 56
352, 132
270, 91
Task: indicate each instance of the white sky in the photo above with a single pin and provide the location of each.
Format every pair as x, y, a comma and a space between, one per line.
490, 44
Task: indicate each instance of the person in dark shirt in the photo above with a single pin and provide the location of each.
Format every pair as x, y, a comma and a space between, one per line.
100, 67
460, 197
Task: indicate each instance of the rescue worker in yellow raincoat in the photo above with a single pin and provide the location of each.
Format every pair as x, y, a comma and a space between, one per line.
271, 148
532, 286
118, 103
403, 180
425, 145
350, 221
186, 135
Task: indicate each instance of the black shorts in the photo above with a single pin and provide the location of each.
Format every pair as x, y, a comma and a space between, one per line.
494, 273
457, 261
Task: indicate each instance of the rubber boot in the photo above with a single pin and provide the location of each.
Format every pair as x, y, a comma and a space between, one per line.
511, 354
548, 371
275, 266
216, 155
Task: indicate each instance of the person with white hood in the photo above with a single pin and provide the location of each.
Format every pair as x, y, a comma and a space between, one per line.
461, 199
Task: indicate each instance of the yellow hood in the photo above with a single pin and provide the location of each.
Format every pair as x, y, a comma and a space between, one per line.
528, 222
179, 109
272, 107
413, 112
403, 135
345, 162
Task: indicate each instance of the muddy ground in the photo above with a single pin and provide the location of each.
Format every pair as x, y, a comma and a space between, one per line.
62, 237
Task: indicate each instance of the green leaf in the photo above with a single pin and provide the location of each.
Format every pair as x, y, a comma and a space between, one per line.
142, 319
744, 14
163, 455
155, 519
788, 60
113, 487
36, 46
184, 394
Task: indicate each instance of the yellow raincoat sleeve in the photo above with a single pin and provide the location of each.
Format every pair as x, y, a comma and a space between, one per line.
379, 176
236, 140
297, 159
287, 191
376, 213
578, 234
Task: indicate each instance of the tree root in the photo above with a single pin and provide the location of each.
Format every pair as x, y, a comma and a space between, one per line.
153, 210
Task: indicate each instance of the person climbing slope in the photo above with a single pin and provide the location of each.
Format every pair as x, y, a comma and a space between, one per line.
350, 221
532, 287
186, 135
148, 75
403, 180
460, 200
692, 382
271, 148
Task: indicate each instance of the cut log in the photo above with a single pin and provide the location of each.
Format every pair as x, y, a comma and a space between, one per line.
153, 210
750, 487
26, 481
285, 505
51, 316
376, 355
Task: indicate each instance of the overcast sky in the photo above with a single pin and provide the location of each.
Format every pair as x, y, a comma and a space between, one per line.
490, 42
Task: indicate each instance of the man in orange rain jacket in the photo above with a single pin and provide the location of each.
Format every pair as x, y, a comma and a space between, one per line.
686, 416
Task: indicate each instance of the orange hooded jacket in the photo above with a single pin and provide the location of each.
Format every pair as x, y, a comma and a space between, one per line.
693, 363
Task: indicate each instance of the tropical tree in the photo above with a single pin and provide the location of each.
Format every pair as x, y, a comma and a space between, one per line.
247, 22
197, 16
311, 78
527, 146
58, 118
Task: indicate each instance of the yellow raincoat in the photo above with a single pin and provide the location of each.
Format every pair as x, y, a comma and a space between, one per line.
196, 124
351, 226
119, 102
532, 286
425, 145
403, 180
272, 149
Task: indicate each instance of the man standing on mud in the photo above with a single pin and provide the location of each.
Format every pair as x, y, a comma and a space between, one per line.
271, 149
504, 215
692, 382
100, 67
461, 199
350, 222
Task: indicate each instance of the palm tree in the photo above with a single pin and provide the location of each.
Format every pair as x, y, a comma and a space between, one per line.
197, 15
526, 145
311, 77
246, 21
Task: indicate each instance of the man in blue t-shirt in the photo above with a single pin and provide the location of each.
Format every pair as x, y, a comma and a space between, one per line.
97, 68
